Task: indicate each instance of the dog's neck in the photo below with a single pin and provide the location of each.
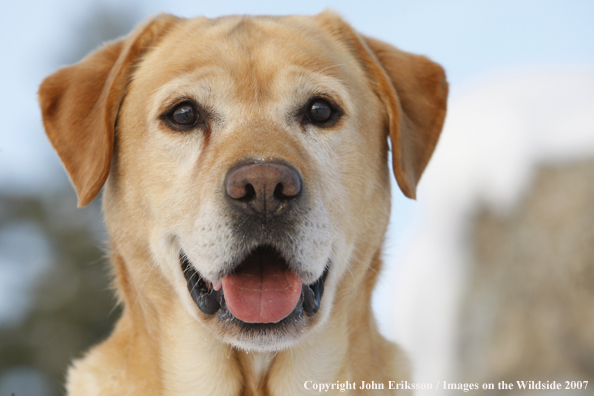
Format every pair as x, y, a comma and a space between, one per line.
193, 358
164, 351
260, 363
185, 358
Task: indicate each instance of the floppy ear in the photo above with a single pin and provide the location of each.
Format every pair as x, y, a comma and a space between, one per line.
80, 104
420, 87
414, 92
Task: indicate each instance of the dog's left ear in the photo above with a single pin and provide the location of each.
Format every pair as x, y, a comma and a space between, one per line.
414, 92
80, 104
416, 98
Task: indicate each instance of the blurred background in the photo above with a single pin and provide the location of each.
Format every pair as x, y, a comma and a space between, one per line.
489, 276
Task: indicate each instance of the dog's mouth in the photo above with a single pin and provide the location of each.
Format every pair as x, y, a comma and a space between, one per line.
262, 289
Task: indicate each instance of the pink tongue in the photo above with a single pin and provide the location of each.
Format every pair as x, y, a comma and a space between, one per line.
262, 291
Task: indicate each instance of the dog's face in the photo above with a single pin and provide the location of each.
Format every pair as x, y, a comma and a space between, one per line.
250, 161
249, 164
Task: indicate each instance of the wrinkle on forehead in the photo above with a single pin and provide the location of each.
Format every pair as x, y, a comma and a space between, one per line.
250, 51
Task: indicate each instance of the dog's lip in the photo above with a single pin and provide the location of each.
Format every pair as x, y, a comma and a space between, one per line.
210, 299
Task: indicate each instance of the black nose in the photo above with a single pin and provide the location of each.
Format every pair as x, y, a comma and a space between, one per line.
265, 188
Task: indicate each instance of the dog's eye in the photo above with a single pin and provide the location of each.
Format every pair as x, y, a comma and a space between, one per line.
184, 114
319, 111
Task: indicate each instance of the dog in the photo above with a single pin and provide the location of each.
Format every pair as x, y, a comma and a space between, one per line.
244, 162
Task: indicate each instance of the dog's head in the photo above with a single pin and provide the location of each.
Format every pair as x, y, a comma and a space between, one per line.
246, 163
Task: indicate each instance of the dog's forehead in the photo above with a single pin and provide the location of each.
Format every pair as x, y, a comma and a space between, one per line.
251, 52
246, 40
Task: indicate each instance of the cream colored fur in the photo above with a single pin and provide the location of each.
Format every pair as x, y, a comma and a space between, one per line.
163, 191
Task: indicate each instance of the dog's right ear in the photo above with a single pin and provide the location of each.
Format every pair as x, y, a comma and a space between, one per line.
413, 90
80, 103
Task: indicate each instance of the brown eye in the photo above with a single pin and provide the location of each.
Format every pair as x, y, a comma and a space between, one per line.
319, 111
184, 114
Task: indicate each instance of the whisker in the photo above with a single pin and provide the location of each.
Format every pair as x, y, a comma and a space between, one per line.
142, 287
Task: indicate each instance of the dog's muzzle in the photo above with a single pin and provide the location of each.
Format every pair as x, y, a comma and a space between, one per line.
265, 199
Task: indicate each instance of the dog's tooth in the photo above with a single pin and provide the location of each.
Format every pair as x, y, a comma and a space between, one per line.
201, 286
207, 300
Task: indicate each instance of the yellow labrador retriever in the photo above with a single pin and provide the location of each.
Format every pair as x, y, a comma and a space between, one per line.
246, 196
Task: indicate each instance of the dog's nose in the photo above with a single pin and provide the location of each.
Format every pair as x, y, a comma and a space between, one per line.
265, 188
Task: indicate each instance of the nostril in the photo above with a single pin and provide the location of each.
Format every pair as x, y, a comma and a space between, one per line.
278, 192
286, 191
250, 193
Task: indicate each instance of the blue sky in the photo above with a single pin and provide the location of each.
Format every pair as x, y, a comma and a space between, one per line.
470, 38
